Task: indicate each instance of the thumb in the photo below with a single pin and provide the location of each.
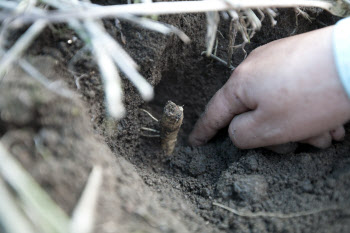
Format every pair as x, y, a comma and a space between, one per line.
247, 131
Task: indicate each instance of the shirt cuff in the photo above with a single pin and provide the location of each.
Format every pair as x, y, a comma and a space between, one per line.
341, 50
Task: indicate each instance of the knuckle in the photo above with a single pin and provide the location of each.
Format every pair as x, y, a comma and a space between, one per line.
235, 90
241, 70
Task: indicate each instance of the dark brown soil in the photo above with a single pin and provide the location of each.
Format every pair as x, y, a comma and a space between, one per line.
59, 140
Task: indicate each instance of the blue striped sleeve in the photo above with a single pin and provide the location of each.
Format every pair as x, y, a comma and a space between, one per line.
341, 50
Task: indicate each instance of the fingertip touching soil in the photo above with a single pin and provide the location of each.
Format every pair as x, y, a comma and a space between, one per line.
59, 140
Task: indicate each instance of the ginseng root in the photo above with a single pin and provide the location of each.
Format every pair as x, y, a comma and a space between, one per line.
170, 125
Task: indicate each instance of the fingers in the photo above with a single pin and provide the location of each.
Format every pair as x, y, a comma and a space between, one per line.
220, 110
325, 140
250, 130
322, 141
283, 148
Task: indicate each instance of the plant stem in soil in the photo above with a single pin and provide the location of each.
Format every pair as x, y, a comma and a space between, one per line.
170, 125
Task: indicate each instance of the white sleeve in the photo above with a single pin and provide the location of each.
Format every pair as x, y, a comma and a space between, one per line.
341, 50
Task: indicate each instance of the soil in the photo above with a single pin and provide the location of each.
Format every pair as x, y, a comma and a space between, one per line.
59, 140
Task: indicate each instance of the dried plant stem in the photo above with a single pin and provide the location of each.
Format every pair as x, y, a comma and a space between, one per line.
38, 204
21, 45
83, 215
12, 218
55, 87
156, 26
96, 37
149, 129
170, 125
213, 19
272, 214
232, 39
180, 7
111, 80
150, 135
145, 89
149, 114
219, 60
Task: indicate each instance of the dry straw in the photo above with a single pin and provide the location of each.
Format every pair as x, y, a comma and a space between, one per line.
26, 208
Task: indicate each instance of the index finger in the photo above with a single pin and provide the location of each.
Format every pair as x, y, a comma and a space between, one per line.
222, 107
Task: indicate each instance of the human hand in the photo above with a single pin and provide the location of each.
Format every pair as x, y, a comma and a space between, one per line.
285, 91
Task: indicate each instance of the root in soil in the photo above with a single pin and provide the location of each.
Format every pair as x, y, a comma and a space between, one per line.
170, 125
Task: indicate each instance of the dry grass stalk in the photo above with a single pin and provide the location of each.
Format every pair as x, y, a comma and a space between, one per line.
156, 26
150, 129
275, 214
149, 114
83, 215
232, 39
170, 125
213, 19
21, 45
47, 216
12, 217
111, 80
55, 86
336, 7
219, 60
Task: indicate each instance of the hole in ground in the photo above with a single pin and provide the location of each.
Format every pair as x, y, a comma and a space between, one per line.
190, 86
193, 171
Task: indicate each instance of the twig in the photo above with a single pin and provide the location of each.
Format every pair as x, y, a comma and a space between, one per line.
149, 129
150, 135
219, 60
303, 14
78, 78
83, 215
216, 45
274, 215
149, 114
